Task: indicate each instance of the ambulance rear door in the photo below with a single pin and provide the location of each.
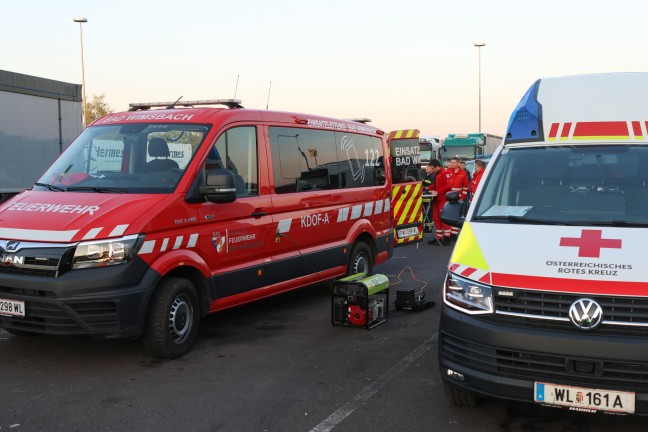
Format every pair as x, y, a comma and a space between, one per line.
407, 190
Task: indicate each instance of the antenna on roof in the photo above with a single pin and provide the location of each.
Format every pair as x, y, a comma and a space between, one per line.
174, 103
236, 88
268, 102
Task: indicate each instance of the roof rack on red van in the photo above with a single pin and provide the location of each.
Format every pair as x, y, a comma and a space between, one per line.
230, 103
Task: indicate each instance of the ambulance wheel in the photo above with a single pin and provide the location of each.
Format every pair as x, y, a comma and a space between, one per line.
459, 397
172, 322
361, 260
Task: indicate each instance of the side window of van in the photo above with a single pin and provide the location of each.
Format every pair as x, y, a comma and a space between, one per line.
236, 151
362, 158
303, 160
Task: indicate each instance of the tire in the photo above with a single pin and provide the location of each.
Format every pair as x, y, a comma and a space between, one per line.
172, 320
361, 260
459, 397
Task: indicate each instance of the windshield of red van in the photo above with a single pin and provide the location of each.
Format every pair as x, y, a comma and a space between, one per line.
132, 158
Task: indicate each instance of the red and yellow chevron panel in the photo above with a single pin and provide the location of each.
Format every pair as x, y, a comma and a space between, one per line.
407, 208
404, 134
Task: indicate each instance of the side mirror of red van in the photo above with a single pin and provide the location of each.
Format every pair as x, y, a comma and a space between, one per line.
219, 186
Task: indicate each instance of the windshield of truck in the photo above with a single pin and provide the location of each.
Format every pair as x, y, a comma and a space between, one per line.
461, 152
132, 158
571, 185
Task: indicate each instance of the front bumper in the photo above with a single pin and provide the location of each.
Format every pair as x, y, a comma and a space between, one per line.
505, 361
98, 302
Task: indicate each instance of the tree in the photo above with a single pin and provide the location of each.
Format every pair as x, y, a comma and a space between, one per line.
96, 108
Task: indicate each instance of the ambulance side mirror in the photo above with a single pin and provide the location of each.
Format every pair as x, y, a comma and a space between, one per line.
219, 186
453, 212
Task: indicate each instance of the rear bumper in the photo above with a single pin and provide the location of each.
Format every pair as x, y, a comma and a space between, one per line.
98, 302
505, 362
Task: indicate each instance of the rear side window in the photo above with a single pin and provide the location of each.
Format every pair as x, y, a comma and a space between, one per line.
307, 160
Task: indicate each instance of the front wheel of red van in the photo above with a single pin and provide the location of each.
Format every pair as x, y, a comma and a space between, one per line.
172, 322
361, 260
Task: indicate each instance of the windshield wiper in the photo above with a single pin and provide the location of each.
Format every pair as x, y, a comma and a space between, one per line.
51, 187
98, 189
516, 219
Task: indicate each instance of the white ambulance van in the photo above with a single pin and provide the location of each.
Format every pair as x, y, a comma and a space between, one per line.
546, 297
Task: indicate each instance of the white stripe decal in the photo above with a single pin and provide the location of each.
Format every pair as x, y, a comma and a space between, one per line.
192, 240
38, 235
478, 274
147, 247
284, 225
379, 205
165, 243
343, 214
178, 242
356, 211
368, 209
119, 230
387, 202
92, 233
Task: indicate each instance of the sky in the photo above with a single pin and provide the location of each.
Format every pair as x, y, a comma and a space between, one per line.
405, 64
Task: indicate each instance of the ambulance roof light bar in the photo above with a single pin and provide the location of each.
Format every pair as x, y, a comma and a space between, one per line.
360, 120
230, 103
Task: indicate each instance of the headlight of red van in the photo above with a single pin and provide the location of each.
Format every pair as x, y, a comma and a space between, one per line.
467, 295
100, 253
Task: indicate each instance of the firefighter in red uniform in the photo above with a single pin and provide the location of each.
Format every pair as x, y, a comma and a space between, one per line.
441, 186
480, 165
458, 183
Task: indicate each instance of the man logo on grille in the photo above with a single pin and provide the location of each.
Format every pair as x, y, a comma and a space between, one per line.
12, 246
586, 314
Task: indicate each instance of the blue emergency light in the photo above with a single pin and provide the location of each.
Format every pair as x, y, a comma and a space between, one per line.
525, 124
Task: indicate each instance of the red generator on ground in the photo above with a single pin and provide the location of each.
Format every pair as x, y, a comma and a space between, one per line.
360, 301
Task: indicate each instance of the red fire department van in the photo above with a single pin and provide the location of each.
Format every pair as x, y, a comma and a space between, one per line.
154, 217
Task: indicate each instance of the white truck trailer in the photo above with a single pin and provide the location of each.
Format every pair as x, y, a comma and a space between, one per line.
39, 118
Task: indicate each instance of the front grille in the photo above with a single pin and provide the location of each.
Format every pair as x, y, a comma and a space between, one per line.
548, 310
38, 259
51, 318
544, 367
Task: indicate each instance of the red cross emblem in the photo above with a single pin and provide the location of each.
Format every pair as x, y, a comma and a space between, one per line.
590, 243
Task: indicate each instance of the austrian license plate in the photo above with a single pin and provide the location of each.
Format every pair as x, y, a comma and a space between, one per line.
585, 399
12, 307
407, 232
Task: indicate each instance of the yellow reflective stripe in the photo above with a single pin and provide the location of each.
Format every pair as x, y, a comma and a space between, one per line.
467, 251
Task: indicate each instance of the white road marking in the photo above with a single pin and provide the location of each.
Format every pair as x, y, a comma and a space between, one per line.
336, 418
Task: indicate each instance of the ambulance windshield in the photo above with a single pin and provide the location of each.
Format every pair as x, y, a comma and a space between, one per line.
132, 158
579, 185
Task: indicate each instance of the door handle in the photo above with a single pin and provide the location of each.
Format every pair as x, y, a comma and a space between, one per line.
259, 213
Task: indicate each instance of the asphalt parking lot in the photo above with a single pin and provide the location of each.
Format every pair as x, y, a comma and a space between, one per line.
275, 365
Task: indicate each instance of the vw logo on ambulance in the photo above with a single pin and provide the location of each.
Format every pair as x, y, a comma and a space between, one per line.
586, 314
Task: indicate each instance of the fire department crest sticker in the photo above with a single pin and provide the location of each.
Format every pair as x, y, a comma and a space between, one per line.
218, 241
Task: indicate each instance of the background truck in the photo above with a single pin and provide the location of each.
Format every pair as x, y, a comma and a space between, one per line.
38, 119
469, 146
430, 146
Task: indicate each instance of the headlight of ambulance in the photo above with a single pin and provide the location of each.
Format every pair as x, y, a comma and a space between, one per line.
468, 296
106, 252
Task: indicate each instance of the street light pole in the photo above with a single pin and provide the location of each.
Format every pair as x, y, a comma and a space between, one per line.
479, 45
82, 20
